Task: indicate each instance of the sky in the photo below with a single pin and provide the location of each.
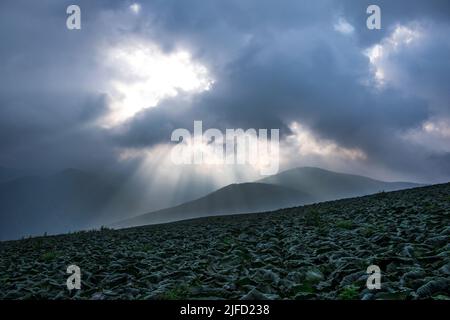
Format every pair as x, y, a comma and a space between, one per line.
107, 97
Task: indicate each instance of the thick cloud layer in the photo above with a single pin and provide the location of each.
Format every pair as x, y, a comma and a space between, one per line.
274, 64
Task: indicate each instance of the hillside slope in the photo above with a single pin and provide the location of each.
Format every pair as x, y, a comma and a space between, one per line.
289, 188
232, 199
313, 252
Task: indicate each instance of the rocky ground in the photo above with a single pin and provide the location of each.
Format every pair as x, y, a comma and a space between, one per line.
313, 252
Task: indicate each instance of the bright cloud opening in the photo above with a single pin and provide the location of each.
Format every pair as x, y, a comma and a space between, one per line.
135, 8
307, 144
379, 54
433, 134
143, 75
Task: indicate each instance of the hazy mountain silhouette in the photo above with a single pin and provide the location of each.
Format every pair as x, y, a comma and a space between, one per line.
234, 198
72, 199
324, 185
289, 188
10, 174
68, 200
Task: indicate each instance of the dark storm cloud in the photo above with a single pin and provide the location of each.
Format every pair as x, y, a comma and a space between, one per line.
291, 71
273, 63
441, 163
393, 13
47, 97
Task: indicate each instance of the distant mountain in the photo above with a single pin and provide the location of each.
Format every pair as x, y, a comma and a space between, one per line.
10, 173
289, 188
73, 200
232, 199
324, 185
68, 200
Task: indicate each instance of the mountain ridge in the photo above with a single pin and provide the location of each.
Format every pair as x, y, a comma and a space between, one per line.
324, 189
231, 199
327, 185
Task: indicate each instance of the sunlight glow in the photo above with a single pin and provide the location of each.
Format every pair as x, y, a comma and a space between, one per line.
308, 144
378, 54
433, 134
135, 8
143, 75
161, 174
441, 128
